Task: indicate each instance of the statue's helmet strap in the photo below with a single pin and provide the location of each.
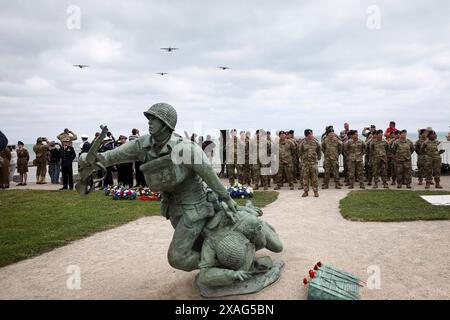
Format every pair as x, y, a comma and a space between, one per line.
165, 112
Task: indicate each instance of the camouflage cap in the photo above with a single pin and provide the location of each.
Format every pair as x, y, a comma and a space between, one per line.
164, 112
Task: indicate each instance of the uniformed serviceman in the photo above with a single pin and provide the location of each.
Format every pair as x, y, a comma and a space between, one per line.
264, 156
41, 149
286, 152
310, 154
378, 152
331, 148
368, 159
232, 156
183, 196
354, 150
295, 163
67, 134
431, 149
403, 148
5, 158
423, 133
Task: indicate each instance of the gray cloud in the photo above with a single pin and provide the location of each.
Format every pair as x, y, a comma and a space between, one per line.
295, 64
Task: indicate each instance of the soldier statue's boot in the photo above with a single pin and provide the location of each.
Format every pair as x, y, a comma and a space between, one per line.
438, 183
427, 185
420, 181
337, 185
305, 194
361, 185
316, 193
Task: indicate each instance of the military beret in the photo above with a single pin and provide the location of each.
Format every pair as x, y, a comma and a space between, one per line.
281, 132
308, 132
20, 143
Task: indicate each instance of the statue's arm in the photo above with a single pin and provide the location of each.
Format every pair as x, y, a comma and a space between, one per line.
127, 152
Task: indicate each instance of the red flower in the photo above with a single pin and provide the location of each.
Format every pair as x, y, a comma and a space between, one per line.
311, 274
319, 264
305, 281
315, 267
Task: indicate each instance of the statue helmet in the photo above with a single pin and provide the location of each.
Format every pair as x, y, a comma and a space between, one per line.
164, 112
234, 251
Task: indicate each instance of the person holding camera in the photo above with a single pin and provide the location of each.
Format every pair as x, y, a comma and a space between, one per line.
41, 149
67, 134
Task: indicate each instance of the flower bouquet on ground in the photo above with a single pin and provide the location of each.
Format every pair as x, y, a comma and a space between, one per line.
240, 191
119, 192
329, 283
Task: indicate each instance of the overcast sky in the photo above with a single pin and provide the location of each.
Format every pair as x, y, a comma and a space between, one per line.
295, 65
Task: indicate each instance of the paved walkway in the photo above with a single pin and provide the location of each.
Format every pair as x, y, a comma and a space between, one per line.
129, 262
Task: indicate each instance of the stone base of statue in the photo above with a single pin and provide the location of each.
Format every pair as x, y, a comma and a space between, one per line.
259, 281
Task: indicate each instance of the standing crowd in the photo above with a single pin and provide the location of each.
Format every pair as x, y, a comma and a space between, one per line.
383, 156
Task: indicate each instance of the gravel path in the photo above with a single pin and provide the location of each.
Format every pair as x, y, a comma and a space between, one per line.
129, 262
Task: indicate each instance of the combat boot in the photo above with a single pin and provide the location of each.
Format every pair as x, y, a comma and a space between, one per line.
325, 186
393, 183
350, 185
277, 187
420, 181
291, 187
408, 186
427, 185
337, 185
256, 187
375, 186
385, 185
399, 186
438, 184
431, 182
361, 185
305, 194
265, 188
316, 193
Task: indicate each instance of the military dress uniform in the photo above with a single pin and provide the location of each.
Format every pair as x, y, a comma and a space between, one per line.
23, 157
378, 152
432, 162
5, 155
331, 149
402, 151
40, 150
354, 151
310, 154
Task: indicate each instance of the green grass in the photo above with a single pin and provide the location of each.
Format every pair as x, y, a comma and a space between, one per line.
36, 221
392, 205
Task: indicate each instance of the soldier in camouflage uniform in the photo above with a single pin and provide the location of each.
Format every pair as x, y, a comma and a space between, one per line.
232, 157
264, 154
420, 157
433, 162
368, 159
378, 151
392, 164
331, 148
286, 153
310, 154
403, 148
354, 150
254, 160
295, 163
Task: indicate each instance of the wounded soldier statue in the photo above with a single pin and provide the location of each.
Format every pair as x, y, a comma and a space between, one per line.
212, 232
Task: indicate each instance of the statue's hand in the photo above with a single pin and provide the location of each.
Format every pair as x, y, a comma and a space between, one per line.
242, 275
232, 205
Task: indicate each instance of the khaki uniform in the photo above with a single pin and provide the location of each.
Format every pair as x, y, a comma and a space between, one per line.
23, 157
5, 155
286, 153
310, 154
71, 137
354, 151
40, 150
378, 152
331, 149
402, 151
